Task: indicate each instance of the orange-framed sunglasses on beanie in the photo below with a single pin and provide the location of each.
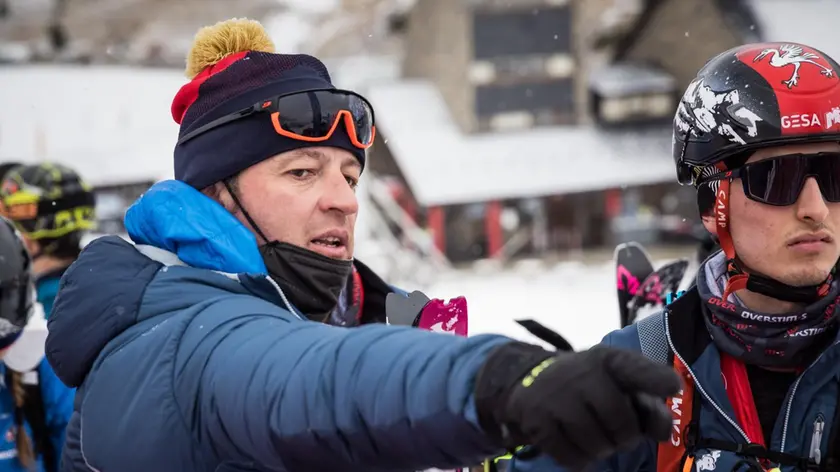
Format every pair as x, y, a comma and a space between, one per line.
228, 96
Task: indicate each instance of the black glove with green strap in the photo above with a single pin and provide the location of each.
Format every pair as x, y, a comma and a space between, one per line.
576, 407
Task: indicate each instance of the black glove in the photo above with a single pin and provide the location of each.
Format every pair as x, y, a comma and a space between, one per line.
575, 407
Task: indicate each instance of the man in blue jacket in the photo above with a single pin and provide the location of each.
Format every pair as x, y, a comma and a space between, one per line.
756, 339
208, 345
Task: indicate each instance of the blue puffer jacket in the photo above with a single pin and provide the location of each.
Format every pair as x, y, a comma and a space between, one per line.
802, 429
187, 359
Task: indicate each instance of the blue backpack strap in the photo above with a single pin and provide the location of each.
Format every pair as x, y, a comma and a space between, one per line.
652, 338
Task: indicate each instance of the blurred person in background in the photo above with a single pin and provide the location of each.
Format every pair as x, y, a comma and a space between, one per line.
34, 405
6, 167
755, 340
53, 208
209, 345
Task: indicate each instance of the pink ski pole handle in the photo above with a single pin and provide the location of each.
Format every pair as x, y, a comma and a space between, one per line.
443, 317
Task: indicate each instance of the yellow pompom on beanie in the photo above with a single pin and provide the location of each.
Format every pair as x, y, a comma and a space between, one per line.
214, 43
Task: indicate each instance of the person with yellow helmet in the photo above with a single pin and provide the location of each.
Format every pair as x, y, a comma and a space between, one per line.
52, 207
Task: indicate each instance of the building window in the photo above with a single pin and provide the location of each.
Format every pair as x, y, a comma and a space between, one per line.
557, 95
613, 110
515, 69
661, 105
511, 120
634, 107
500, 33
482, 73
560, 65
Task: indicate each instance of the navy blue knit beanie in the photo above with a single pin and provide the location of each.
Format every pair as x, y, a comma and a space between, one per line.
232, 66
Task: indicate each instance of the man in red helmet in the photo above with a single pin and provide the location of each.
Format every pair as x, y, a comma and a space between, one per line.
756, 339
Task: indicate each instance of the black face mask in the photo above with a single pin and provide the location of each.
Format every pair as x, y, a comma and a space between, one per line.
312, 282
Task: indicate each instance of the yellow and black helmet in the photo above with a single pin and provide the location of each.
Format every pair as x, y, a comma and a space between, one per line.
47, 201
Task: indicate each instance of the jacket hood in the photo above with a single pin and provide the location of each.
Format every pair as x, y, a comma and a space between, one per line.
102, 293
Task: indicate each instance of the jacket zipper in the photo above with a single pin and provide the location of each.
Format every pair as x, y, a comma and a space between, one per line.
697, 385
816, 440
283, 297
793, 394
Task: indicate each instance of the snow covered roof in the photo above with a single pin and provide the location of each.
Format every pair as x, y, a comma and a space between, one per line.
111, 123
811, 22
622, 79
357, 72
444, 166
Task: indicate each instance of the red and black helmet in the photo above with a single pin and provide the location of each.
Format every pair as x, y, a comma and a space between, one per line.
751, 97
